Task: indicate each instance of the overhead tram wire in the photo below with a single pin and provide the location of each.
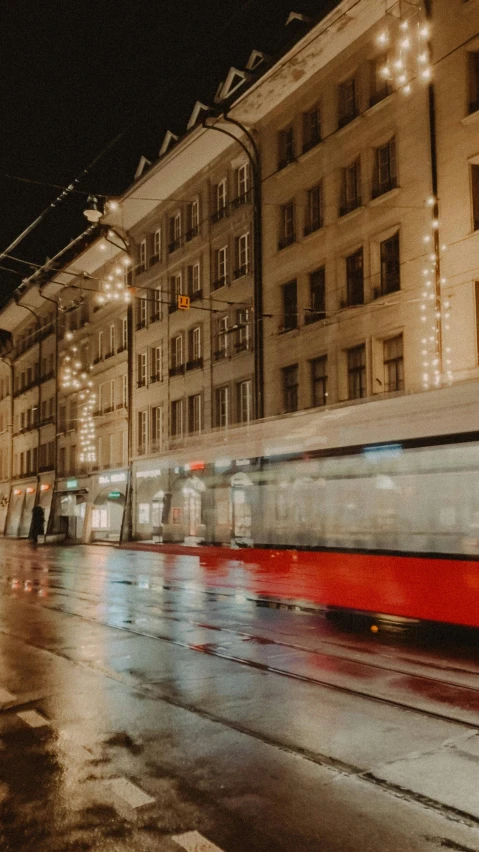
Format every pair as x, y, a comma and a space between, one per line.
74, 183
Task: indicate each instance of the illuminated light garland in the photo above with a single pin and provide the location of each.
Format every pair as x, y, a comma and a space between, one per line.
406, 39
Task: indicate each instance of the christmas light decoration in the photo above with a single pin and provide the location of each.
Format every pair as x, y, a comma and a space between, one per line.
405, 38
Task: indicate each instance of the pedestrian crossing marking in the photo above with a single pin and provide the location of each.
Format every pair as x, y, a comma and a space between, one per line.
193, 841
130, 793
32, 718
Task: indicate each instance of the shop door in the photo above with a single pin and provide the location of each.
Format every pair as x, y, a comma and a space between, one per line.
15, 513
26, 518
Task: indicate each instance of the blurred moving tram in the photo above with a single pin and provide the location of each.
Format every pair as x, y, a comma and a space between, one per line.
371, 506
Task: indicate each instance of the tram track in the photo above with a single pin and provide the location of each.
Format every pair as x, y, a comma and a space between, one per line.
214, 650
338, 766
381, 664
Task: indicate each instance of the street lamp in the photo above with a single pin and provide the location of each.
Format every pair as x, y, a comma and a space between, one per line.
92, 211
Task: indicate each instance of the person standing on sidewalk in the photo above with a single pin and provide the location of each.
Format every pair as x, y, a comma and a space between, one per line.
37, 525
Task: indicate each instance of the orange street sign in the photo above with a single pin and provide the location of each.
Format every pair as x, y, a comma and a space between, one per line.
183, 302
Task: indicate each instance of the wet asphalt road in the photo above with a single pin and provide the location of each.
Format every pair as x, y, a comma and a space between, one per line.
145, 707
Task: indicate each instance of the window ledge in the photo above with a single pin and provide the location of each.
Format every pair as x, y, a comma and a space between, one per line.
315, 231
305, 155
472, 118
283, 331
379, 104
286, 168
353, 213
346, 127
385, 197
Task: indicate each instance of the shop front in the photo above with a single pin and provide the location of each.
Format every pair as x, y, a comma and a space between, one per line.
45, 496
234, 496
19, 516
108, 506
185, 511
70, 509
4, 494
151, 502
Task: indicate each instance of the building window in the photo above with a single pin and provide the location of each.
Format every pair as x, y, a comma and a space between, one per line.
156, 364
311, 128
176, 354
244, 401
357, 372
141, 312
220, 200
194, 280
243, 330
176, 426
287, 233
385, 176
473, 62
242, 185
112, 339
142, 432
317, 296
380, 83
124, 391
351, 188
393, 364
319, 381
285, 147
175, 232
155, 304
290, 306
242, 255
61, 460
156, 247
141, 257
194, 414
290, 388
141, 362
347, 102
124, 333
390, 268
156, 428
221, 338
475, 195
355, 279
221, 267
193, 220
175, 290
314, 210
221, 407
100, 346
194, 345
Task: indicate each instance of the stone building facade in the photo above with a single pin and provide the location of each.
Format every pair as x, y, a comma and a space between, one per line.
309, 243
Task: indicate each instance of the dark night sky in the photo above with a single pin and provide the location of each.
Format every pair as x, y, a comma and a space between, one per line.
76, 73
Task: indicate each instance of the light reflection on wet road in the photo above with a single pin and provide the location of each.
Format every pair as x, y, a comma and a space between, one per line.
237, 720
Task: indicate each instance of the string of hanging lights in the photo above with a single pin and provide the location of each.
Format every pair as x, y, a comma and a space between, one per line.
74, 375
405, 42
